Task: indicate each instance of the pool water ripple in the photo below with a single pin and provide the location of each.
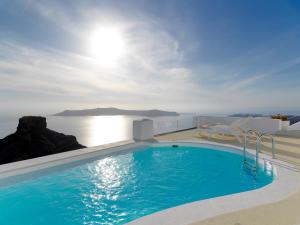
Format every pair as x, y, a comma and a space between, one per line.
123, 187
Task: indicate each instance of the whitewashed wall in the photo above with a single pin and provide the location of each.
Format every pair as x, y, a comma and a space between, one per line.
172, 124
295, 126
292, 131
165, 125
262, 124
142, 129
265, 124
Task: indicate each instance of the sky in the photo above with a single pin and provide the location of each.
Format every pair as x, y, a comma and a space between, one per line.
202, 56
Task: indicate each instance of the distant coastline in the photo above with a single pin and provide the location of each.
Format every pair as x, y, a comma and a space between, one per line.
115, 111
293, 119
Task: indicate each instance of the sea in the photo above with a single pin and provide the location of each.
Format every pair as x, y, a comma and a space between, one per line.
89, 130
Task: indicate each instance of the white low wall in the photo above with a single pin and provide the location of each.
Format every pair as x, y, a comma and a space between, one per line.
289, 133
173, 124
295, 126
262, 124
265, 125
142, 130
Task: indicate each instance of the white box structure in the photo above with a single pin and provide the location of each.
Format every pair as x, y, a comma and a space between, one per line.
142, 130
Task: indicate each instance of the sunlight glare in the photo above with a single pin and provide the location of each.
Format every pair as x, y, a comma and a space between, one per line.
107, 45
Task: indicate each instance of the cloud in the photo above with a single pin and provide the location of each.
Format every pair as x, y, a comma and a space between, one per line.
142, 79
156, 71
244, 83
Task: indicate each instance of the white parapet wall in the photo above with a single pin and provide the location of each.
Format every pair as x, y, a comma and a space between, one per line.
262, 124
142, 130
145, 129
265, 124
162, 125
291, 131
285, 125
295, 126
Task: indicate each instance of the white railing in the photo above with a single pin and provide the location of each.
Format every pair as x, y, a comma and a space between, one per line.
168, 125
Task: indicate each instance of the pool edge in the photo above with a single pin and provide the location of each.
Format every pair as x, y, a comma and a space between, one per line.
286, 183
49, 161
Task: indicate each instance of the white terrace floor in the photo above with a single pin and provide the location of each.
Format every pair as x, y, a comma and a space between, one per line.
285, 212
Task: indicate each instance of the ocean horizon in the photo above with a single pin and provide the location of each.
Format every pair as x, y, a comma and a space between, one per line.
89, 130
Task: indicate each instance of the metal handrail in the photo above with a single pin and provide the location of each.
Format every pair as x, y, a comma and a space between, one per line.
256, 133
259, 136
245, 141
272, 140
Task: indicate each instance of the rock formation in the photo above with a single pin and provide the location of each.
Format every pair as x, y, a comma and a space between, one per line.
33, 139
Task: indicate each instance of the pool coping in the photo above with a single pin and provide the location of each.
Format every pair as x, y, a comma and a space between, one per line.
31, 165
286, 183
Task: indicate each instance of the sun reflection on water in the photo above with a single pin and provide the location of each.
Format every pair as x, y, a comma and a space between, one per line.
108, 176
108, 129
108, 170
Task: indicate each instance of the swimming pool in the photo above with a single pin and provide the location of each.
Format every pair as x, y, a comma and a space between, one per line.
125, 186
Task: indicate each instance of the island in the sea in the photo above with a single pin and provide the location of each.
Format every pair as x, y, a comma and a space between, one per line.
115, 111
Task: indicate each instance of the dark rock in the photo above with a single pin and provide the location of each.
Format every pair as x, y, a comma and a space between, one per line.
33, 139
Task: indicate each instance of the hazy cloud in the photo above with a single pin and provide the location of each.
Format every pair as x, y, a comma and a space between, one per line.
159, 70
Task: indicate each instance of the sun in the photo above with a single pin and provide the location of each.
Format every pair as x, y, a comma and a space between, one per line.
107, 45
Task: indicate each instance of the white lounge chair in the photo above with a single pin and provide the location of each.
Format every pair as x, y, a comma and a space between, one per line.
236, 128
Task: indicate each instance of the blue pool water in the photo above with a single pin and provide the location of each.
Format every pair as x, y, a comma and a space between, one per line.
123, 187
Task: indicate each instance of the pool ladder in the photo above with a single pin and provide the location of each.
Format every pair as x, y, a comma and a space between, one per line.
254, 167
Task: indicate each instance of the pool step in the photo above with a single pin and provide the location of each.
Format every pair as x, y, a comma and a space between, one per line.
251, 168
